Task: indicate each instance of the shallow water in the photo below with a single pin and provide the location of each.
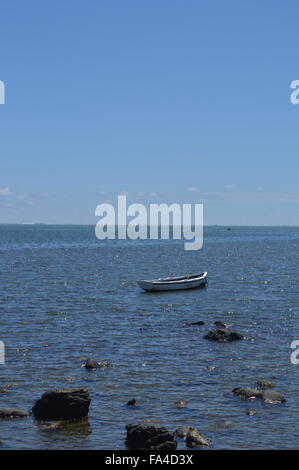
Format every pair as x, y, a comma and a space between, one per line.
65, 296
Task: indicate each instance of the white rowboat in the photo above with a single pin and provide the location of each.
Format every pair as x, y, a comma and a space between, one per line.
174, 283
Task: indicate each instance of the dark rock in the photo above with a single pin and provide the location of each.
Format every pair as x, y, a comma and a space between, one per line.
180, 403
264, 384
13, 413
193, 323
223, 335
132, 402
62, 404
210, 368
220, 324
268, 396
167, 445
90, 364
160, 439
141, 436
248, 393
194, 439
182, 431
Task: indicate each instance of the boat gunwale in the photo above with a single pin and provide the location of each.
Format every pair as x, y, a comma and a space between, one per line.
187, 279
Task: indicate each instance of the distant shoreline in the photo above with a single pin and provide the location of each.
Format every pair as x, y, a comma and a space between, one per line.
32, 224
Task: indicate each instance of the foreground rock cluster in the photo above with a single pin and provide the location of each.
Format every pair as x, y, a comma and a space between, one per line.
143, 436
70, 405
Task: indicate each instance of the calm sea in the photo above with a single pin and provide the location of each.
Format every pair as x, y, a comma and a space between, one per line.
66, 296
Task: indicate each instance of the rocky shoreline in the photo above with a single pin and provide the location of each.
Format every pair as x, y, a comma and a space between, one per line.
72, 404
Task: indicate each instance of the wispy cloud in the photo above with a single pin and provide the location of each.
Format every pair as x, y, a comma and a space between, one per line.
5, 192
193, 189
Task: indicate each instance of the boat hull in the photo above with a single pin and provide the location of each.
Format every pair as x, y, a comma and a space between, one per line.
168, 284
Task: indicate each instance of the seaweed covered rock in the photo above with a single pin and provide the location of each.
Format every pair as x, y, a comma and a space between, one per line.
142, 436
195, 439
66, 404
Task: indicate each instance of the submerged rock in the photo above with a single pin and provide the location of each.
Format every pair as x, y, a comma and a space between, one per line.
223, 335
264, 384
268, 396
132, 402
224, 425
194, 439
62, 404
220, 324
194, 323
13, 413
141, 436
247, 393
210, 368
90, 364
180, 403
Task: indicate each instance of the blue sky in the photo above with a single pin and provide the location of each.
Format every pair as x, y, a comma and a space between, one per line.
169, 101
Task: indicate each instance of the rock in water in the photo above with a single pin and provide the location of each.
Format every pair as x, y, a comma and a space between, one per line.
194, 439
223, 335
268, 396
248, 393
132, 402
90, 364
180, 403
13, 413
264, 384
141, 436
182, 431
194, 323
220, 324
62, 404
